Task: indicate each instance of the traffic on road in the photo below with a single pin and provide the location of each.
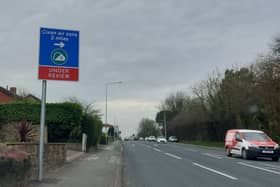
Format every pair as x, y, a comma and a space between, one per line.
174, 164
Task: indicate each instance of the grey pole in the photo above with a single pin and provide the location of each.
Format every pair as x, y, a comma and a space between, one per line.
164, 118
42, 126
106, 99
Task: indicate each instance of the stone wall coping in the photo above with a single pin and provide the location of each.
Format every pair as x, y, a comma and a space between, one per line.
80, 143
33, 143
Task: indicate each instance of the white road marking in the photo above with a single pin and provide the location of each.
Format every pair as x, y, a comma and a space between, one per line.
212, 155
256, 167
174, 156
147, 146
215, 171
272, 166
192, 150
158, 150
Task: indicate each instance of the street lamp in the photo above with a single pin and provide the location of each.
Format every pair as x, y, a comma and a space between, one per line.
106, 86
164, 121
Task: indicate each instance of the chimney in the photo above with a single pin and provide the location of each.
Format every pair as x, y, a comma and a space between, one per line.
13, 90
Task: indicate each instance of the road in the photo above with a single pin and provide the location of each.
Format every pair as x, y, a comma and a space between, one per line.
148, 164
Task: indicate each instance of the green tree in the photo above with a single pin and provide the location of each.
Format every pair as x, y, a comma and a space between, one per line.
147, 127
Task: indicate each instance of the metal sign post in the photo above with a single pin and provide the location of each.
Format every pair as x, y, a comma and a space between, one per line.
42, 127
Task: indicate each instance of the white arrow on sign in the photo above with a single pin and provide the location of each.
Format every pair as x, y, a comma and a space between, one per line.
60, 44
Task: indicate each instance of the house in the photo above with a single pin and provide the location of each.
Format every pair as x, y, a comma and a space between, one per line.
31, 98
7, 96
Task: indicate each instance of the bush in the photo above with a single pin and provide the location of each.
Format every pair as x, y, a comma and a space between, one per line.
103, 139
61, 118
25, 130
14, 167
20, 112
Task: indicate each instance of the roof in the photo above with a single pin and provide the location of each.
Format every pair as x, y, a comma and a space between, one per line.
108, 125
246, 130
30, 96
8, 93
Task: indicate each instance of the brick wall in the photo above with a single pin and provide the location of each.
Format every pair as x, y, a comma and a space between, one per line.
54, 155
4, 98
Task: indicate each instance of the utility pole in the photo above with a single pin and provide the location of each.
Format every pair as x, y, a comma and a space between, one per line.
106, 97
164, 121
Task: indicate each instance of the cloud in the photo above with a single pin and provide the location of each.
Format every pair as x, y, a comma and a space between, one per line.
155, 47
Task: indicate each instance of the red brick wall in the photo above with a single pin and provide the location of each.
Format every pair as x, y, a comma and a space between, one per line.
4, 98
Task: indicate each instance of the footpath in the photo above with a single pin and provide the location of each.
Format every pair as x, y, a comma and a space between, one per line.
98, 168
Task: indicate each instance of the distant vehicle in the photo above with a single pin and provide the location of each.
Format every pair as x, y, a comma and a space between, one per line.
126, 139
146, 138
172, 139
141, 139
161, 139
152, 139
251, 144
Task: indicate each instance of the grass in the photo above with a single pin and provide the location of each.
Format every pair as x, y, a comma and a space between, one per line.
205, 143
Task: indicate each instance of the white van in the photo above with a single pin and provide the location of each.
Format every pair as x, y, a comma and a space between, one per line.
251, 144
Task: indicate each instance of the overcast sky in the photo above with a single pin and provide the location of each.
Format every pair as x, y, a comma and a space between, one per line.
156, 47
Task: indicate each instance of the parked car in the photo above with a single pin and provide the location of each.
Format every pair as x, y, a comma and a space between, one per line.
146, 138
152, 139
172, 139
161, 139
251, 144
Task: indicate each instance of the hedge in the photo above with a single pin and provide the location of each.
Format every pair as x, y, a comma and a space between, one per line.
61, 118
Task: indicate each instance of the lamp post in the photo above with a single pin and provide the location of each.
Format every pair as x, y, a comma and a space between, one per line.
106, 97
164, 121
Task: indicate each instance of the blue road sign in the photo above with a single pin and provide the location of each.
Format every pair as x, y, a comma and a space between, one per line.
59, 47
58, 54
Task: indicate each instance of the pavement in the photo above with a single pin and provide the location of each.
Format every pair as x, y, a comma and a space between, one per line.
98, 168
73, 155
148, 164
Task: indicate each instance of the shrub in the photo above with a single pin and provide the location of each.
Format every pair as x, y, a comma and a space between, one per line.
14, 167
25, 130
103, 139
61, 118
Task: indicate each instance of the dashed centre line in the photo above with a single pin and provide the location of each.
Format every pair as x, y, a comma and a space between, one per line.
174, 156
158, 150
212, 155
192, 150
272, 166
256, 167
215, 171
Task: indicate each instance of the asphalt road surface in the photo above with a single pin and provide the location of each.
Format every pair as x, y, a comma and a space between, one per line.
148, 164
